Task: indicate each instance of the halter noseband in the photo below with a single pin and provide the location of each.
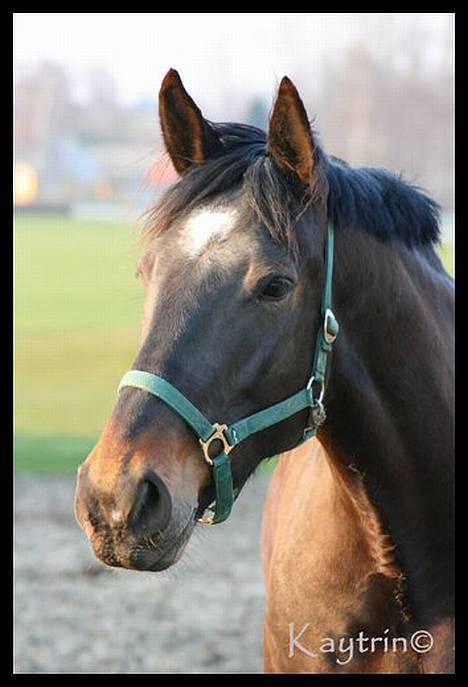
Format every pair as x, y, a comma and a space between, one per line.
229, 436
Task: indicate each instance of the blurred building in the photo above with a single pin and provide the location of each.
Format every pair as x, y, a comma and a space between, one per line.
78, 149
69, 153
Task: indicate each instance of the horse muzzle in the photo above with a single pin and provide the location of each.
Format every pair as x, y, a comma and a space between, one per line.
136, 525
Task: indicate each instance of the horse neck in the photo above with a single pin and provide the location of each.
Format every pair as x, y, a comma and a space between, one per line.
389, 404
329, 564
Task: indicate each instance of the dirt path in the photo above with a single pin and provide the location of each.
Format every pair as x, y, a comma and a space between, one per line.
73, 614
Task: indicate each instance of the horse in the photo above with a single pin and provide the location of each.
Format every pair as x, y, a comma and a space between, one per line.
358, 534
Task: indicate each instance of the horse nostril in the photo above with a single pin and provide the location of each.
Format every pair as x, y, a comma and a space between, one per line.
152, 510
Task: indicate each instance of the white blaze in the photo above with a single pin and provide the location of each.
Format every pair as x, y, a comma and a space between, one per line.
205, 225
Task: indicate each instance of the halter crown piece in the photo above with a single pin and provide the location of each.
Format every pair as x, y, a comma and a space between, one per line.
226, 437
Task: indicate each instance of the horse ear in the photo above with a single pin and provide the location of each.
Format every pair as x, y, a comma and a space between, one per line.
290, 141
188, 136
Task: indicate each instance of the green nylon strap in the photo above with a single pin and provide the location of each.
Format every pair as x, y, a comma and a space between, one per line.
308, 434
224, 488
329, 254
239, 431
322, 347
164, 390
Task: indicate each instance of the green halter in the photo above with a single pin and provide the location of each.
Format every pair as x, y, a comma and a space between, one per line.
224, 438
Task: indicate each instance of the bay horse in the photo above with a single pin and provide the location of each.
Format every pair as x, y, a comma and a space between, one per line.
358, 527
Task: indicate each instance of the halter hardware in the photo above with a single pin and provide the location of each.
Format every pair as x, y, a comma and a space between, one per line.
310, 384
330, 326
218, 435
230, 436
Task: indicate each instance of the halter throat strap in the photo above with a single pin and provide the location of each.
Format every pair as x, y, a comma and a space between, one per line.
218, 440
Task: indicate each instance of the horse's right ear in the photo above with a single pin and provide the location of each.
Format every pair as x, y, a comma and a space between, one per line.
189, 138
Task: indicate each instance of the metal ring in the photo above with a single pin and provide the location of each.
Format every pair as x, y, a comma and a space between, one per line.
219, 434
322, 389
318, 402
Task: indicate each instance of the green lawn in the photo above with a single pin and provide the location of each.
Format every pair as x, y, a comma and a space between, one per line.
78, 308
77, 319
448, 258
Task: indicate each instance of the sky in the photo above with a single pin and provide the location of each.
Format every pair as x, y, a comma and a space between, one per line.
219, 52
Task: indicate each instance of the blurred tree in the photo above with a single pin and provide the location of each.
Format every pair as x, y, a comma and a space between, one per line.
102, 118
42, 107
385, 107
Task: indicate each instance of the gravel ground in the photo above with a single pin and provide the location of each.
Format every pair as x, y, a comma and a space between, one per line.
73, 614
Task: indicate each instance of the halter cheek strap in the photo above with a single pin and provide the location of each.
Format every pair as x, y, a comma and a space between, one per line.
218, 440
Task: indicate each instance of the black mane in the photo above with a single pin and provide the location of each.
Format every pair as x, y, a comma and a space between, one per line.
382, 203
378, 201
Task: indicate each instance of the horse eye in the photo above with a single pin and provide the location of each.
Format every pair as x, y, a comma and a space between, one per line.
276, 289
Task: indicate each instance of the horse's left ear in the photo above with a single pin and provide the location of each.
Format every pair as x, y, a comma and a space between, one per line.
189, 138
290, 141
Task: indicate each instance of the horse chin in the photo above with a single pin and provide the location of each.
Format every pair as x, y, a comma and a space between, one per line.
155, 560
146, 562
153, 554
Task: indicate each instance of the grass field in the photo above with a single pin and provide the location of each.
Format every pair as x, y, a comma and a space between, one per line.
78, 308
77, 319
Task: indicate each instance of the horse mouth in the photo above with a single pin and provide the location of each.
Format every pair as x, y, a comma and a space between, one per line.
155, 559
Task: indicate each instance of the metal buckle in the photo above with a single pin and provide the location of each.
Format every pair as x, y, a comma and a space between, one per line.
207, 518
218, 434
330, 333
317, 417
